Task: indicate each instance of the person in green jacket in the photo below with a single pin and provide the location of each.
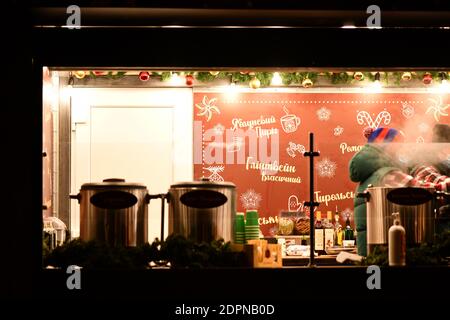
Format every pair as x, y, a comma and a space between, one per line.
370, 166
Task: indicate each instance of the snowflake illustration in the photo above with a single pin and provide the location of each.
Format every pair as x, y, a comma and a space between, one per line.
407, 110
215, 176
423, 127
438, 108
347, 213
323, 114
338, 131
326, 168
219, 129
250, 199
207, 107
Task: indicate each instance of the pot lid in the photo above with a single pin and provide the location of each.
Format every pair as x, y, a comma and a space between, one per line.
112, 183
409, 196
204, 183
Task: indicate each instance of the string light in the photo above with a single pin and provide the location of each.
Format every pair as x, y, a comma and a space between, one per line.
376, 86
175, 79
444, 86
276, 79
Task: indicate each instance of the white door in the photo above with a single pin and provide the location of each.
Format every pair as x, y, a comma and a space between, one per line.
141, 135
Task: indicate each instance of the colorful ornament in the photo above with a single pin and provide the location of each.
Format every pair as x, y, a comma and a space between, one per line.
307, 83
254, 83
367, 131
214, 73
359, 76
144, 76
99, 73
79, 74
189, 80
427, 78
406, 76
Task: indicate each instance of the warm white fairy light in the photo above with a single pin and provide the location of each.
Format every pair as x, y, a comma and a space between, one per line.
444, 85
175, 79
231, 90
276, 79
376, 86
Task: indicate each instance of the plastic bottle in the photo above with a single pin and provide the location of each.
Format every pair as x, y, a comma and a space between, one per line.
397, 243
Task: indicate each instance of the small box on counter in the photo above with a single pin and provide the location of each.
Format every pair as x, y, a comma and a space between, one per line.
262, 254
290, 241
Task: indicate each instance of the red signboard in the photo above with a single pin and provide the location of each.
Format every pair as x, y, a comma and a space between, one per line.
265, 160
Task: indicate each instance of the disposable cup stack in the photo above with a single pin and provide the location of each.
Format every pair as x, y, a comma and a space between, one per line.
239, 236
251, 225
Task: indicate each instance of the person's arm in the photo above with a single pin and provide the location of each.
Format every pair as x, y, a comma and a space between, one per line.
397, 178
429, 174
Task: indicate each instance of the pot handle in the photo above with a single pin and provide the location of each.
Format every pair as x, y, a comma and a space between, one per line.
442, 195
162, 196
364, 195
114, 180
77, 196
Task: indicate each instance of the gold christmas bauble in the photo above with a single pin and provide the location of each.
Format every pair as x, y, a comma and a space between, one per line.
214, 73
254, 83
359, 76
307, 83
406, 76
79, 74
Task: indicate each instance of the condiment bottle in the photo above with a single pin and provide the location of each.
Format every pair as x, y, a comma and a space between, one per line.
397, 243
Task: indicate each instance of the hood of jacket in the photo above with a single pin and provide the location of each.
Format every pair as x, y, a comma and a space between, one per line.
368, 160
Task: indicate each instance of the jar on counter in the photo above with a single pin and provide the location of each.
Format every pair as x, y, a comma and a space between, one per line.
301, 224
286, 223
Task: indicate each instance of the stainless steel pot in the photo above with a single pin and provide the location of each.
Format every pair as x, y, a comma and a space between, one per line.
416, 208
114, 212
202, 210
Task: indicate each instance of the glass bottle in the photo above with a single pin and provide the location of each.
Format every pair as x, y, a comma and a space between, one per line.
319, 246
348, 232
338, 233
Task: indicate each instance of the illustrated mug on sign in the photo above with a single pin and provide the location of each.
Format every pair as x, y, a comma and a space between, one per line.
289, 122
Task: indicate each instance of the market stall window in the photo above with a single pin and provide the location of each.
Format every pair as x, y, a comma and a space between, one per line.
161, 159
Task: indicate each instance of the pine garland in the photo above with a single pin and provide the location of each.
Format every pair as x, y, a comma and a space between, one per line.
426, 254
176, 249
288, 78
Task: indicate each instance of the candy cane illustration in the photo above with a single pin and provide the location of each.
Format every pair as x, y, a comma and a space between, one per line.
364, 116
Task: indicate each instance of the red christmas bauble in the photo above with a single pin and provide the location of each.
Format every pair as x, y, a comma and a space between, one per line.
99, 73
427, 78
144, 76
189, 80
